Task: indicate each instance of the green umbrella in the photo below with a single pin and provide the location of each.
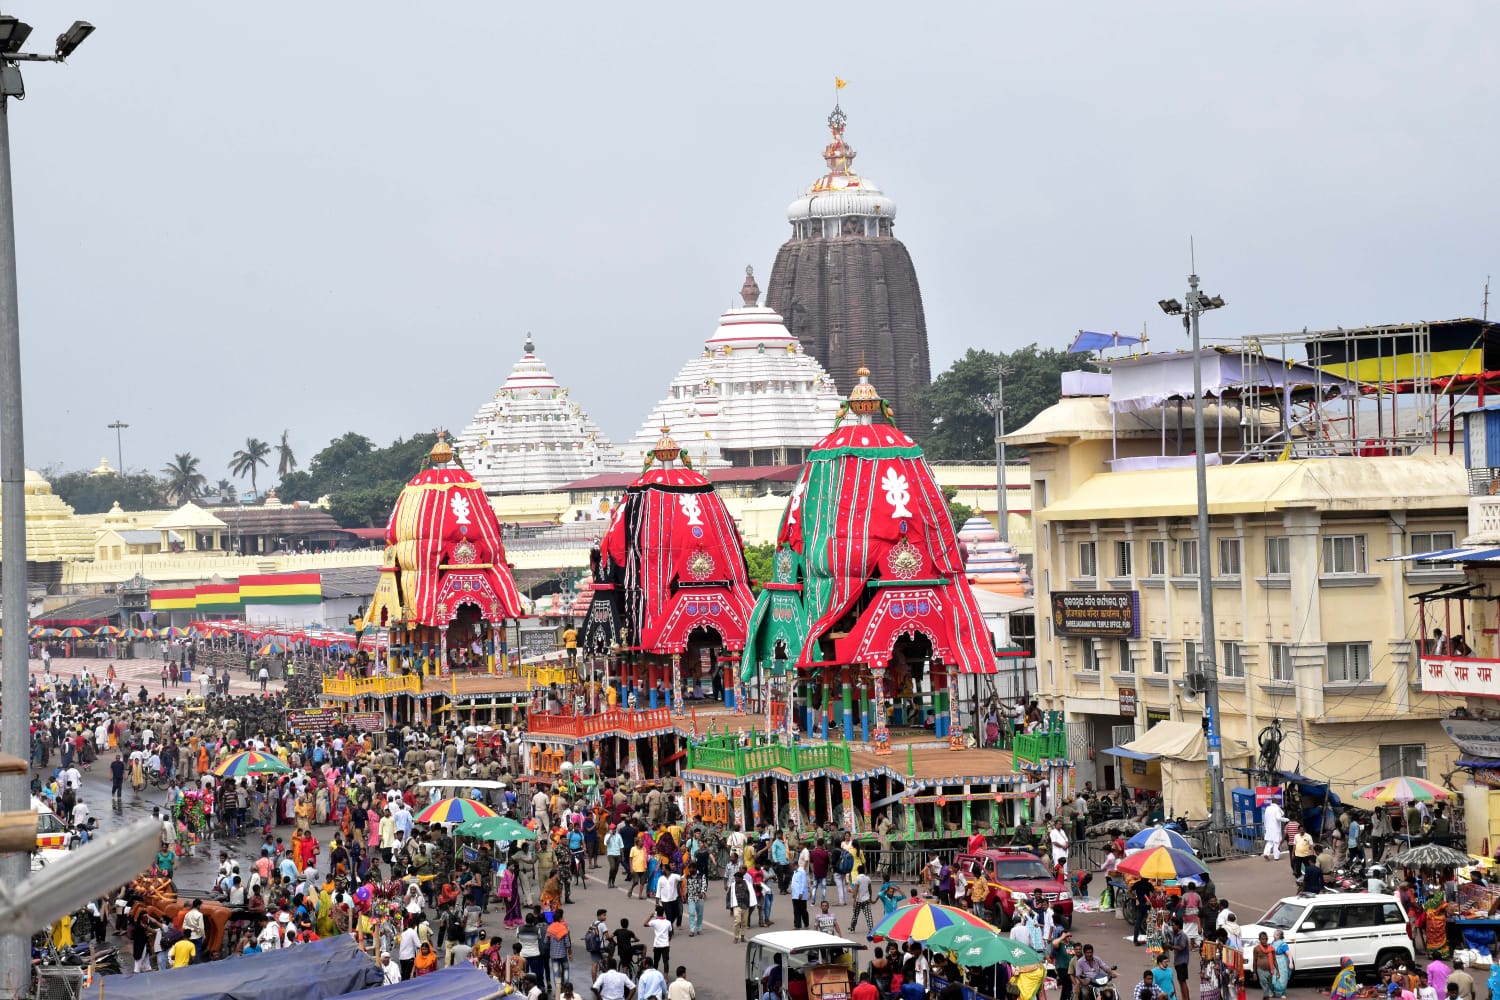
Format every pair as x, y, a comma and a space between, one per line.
495, 828
995, 950
958, 936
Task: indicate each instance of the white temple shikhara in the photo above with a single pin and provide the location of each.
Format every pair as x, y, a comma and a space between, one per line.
753, 397
532, 437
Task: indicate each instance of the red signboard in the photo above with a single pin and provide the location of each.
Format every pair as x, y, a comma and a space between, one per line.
1127, 702
1266, 794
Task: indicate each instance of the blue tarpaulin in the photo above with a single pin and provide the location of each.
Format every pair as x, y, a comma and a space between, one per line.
318, 970
1088, 341
460, 982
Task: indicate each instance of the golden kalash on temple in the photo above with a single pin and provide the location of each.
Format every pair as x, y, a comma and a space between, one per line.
444, 595
859, 648
670, 603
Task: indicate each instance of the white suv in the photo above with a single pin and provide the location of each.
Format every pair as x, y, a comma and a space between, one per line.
1365, 926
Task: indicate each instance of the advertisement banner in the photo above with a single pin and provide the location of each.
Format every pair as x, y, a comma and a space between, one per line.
1111, 614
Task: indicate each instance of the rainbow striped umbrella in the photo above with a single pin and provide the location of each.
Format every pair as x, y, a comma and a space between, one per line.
107, 631
1162, 862
1402, 789
454, 811
73, 632
272, 647
35, 632
248, 762
919, 921
150, 633
171, 632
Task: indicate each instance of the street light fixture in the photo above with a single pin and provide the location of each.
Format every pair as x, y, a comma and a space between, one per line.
1196, 304
15, 945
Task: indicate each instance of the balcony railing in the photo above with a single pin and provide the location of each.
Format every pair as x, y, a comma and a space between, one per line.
1484, 517
1037, 747
615, 720
371, 687
1461, 675
724, 755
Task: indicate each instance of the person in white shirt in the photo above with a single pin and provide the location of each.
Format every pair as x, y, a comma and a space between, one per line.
1272, 821
406, 951
391, 971
661, 942
269, 937
1059, 838
681, 988
612, 984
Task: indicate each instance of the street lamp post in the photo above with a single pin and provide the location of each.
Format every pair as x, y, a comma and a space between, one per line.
15, 738
997, 403
1197, 304
117, 427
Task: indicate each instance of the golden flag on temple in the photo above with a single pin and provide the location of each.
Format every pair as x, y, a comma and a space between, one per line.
839, 83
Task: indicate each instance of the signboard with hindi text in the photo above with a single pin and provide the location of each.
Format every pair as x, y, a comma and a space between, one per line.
318, 720
1113, 614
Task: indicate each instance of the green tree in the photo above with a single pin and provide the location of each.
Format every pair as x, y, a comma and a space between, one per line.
286, 459
249, 459
360, 480
87, 493
958, 512
963, 425
184, 481
758, 561
225, 491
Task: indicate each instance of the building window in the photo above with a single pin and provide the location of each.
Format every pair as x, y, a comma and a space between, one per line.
1348, 662
1123, 562
1229, 557
1343, 554
1281, 663
1122, 653
1156, 557
1399, 760
1088, 559
1431, 541
1187, 553
1090, 656
1234, 660
1189, 655
1159, 663
1278, 556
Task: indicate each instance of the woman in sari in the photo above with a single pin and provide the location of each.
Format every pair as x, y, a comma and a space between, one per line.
509, 891
1344, 984
1283, 970
320, 806
1435, 927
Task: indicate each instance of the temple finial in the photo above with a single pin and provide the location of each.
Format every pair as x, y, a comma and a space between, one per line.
750, 291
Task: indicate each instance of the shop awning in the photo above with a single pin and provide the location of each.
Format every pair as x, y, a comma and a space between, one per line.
1464, 553
1132, 754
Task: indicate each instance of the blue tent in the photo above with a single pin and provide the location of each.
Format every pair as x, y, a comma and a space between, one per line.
318, 970
459, 982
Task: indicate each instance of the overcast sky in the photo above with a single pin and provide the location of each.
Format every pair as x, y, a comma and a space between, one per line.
238, 218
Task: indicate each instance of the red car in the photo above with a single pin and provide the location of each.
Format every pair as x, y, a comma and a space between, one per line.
1016, 873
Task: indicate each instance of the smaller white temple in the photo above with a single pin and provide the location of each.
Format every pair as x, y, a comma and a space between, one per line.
531, 438
752, 398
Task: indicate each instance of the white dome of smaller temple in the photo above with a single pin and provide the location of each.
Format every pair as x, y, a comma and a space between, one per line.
531, 437
753, 397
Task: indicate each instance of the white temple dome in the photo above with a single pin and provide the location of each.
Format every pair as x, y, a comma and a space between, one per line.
531, 437
751, 397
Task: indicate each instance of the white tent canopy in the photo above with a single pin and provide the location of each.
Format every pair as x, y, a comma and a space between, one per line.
1180, 749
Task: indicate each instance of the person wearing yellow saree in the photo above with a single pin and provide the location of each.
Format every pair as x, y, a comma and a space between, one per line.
1344, 984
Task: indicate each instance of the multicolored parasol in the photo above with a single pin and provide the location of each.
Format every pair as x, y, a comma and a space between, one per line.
1159, 836
1162, 862
920, 921
132, 633
271, 648
73, 632
47, 633
1402, 789
498, 828
150, 633
171, 632
454, 811
248, 762
108, 631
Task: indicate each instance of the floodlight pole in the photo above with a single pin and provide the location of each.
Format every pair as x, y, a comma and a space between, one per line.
1002, 511
15, 709
119, 428
1208, 661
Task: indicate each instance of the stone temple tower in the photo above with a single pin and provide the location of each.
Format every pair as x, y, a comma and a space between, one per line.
847, 288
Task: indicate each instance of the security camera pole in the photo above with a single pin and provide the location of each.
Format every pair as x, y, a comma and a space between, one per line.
1197, 304
15, 732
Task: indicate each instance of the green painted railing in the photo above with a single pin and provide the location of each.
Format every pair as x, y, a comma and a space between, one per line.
1037, 747
724, 755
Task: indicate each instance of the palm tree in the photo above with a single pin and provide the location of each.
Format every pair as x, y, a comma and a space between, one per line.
184, 481
285, 460
248, 459
226, 491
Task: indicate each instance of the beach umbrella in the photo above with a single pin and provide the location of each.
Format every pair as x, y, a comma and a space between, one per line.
1431, 857
272, 647
73, 632
1402, 789
495, 828
131, 633
454, 811
107, 631
956, 936
1160, 836
150, 633
919, 921
48, 633
248, 762
993, 950
34, 631
171, 632
1162, 862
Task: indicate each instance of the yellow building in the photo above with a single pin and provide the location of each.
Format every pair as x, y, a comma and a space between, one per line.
1315, 627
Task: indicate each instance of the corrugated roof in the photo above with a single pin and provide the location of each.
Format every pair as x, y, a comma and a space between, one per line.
1329, 484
